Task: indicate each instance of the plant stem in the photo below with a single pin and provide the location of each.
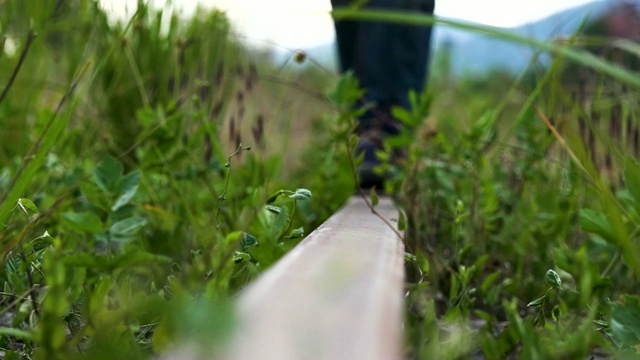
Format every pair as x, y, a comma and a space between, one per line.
3, 41
290, 219
614, 260
46, 140
223, 197
30, 37
32, 299
354, 171
25, 296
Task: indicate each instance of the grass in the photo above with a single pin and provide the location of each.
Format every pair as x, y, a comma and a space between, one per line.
515, 196
128, 211
149, 174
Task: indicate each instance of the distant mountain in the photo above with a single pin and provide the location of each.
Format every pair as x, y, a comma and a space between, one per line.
472, 52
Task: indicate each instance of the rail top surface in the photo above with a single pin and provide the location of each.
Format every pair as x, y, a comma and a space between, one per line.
337, 295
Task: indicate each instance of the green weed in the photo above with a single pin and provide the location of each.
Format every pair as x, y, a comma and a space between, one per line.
131, 221
131, 211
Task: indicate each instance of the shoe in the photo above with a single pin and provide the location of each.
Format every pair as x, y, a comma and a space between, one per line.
368, 143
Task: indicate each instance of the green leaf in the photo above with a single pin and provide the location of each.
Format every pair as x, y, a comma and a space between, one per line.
128, 188
553, 279
247, 241
383, 156
275, 197
273, 209
42, 241
16, 333
86, 261
96, 196
484, 123
359, 158
301, 194
631, 175
601, 323
555, 313
12, 268
280, 223
137, 258
488, 282
83, 222
402, 220
347, 91
296, 233
374, 197
107, 174
404, 116
540, 319
597, 223
123, 230
240, 257
98, 295
408, 257
353, 141
233, 238
26, 204
625, 321
12, 355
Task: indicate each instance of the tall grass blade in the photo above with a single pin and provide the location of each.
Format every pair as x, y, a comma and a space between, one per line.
581, 57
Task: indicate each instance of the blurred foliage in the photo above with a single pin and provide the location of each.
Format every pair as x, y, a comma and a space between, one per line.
527, 190
144, 178
150, 169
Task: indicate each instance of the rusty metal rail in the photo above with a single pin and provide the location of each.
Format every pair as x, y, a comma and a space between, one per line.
337, 295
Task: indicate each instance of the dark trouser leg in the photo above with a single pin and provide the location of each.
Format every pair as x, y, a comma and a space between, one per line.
388, 59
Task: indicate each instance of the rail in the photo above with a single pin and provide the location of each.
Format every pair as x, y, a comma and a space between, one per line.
337, 295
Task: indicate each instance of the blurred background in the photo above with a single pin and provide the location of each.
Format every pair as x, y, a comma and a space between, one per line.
285, 25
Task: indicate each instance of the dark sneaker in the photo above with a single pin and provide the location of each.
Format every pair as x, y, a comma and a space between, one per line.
368, 143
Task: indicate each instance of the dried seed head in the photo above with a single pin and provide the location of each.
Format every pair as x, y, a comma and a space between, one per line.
248, 84
258, 132
232, 129
216, 110
299, 56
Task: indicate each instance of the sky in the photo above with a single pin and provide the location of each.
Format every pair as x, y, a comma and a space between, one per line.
306, 23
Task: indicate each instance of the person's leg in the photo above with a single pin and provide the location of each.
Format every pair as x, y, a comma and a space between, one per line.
389, 60
346, 36
392, 59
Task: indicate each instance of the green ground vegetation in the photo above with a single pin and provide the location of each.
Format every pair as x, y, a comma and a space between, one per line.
150, 169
